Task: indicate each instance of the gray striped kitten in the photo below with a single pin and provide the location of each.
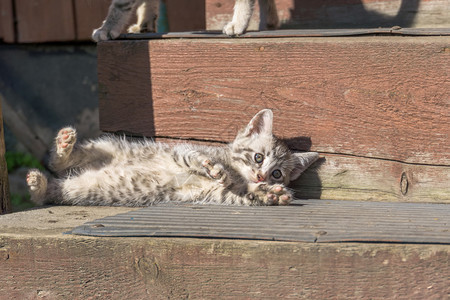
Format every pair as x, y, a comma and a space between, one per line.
147, 11
253, 170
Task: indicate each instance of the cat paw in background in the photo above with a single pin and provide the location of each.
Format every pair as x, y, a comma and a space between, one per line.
147, 11
243, 11
119, 15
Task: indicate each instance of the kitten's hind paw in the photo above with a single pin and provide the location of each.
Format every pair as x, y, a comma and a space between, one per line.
37, 183
216, 171
65, 140
272, 195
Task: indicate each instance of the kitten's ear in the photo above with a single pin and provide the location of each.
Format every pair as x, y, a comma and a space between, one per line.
260, 124
302, 161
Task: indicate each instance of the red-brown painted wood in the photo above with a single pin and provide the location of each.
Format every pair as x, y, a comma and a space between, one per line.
186, 15
44, 20
340, 14
57, 266
6, 21
89, 15
378, 97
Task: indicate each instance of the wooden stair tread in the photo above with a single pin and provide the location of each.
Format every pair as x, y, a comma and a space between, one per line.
303, 221
294, 33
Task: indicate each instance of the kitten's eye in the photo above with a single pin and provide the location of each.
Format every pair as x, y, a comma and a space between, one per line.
259, 158
276, 174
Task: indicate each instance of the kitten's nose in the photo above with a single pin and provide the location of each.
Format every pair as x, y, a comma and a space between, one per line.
260, 177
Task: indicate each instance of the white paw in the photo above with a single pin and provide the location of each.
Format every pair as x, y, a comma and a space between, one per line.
234, 28
216, 171
102, 34
65, 140
36, 180
272, 195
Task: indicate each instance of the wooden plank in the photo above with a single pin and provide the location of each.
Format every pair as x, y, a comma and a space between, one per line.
6, 21
186, 15
344, 177
37, 260
362, 102
303, 221
340, 14
5, 203
283, 33
45, 21
89, 15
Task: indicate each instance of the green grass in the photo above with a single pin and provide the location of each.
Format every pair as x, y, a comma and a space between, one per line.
19, 203
16, 160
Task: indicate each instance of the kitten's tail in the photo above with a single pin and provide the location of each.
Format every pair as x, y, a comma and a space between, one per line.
37, 183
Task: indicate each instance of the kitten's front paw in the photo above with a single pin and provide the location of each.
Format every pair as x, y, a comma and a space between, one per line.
65, 140
234, 29
272, 194
103, 34
216, 171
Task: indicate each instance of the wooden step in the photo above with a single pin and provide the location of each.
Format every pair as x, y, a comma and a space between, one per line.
319, 221
39, 258
375, 107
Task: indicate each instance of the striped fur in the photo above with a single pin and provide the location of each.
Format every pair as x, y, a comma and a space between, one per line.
119, 172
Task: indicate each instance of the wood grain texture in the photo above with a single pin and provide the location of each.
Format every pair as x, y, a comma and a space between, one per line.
5, 203
59, 267
89, 15
186, 15
343, 177
340, 14
45, 21
318, 221
6, 21
378, 97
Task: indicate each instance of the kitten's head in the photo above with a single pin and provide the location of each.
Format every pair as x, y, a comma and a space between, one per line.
261, 157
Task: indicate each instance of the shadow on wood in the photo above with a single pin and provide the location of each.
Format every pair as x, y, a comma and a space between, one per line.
136, 105
351, 14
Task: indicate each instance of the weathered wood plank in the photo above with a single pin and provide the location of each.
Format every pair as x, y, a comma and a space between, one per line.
340, 14
6, 21
302, 221
44, 20
60, 266
344, 177
89, 15
292, 33
362, 101
186, 15
37, 260
5, 203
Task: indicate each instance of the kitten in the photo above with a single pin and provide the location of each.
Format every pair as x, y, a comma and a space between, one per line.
147, 14
253, 170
